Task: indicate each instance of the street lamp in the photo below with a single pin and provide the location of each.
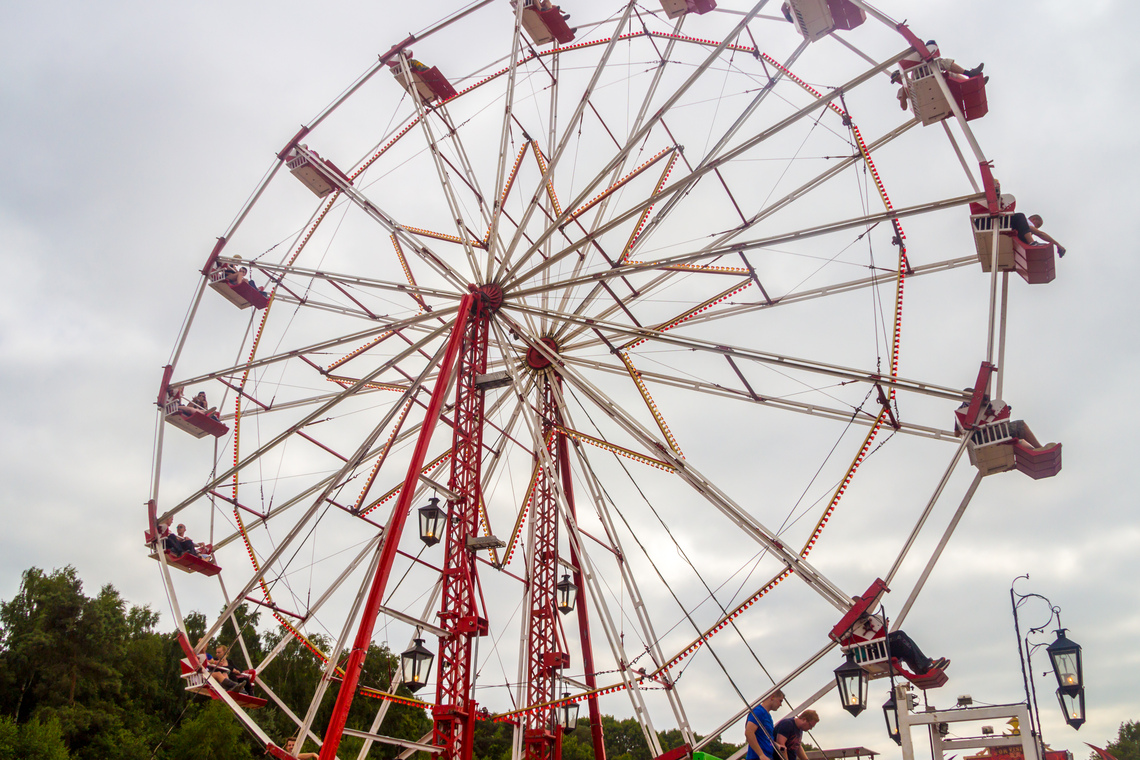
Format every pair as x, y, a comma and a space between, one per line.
431, 522
852, 682
566, 714
415, 665
566, 592
1073, 706
1066, 657
891, 713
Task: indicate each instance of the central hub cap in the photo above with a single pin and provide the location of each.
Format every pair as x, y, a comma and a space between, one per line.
534, 358
491, 294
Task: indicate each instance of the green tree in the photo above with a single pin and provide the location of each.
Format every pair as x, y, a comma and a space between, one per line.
624, 739
92, 668
9, 734
41, 741
720, 748
90, 678
493, 740
579, 743
34, 626
212, 734
1126, 746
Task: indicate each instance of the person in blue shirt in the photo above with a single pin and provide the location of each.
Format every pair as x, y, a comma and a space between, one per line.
759, 729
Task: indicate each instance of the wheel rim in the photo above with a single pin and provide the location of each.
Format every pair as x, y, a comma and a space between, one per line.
635, 362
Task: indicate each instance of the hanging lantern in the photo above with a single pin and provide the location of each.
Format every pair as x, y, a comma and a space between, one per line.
565, 594
852, 682
431, 522
566, 714
1073, 707
415, 665
891, 713
1066, 657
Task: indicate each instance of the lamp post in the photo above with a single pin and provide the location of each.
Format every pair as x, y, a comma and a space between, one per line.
431, 522
565, 593
852, 682
891, 714
1065, 657
1073, 707
566, 714
851, 678
415, 665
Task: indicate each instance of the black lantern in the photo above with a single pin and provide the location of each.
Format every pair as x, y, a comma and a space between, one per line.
1066, 657
415, 665
431, 522
566, 592
891, 713
852, 682
1073, 707
566, 714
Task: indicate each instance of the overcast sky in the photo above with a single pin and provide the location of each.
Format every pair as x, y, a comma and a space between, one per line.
134, 131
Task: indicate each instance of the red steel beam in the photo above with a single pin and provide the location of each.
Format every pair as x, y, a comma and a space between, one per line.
596, 732
392, 538
455, 709
544, 655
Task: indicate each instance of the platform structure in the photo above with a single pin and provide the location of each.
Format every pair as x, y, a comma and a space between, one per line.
942, 745
857, 753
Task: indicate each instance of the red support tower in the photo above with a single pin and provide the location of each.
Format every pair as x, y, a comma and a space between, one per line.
469, 308
459, 614
545, 655
596, 732
461, 608
540, 686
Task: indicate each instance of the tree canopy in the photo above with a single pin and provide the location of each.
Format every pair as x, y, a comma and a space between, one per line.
90, 678
1126, 746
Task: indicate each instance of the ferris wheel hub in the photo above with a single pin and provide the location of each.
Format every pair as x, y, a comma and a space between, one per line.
536, 360
490, 294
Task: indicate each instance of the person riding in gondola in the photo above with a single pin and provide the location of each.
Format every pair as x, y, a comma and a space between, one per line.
230, 677
901, 646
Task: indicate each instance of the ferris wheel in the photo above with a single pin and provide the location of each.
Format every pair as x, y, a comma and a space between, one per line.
556, 352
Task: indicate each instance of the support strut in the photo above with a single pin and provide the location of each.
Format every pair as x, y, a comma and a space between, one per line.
392, 534
454, 712
545, 656
583, 615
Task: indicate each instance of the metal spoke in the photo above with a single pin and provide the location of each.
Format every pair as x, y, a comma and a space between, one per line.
714, 389
511, 274
390, 225
740, 517
687, 182
787, 362
800, 192
747, 245
556, 157
315, 348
